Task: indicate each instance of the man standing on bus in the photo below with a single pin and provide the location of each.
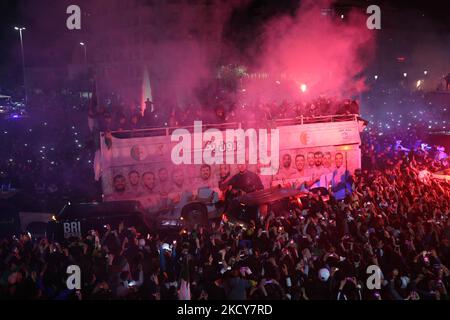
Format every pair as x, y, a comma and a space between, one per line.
245, 181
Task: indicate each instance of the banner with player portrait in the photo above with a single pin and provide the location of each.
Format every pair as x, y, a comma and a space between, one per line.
310, 155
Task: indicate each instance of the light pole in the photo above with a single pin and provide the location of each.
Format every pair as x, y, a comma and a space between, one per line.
20, 29
85, 52
86, 70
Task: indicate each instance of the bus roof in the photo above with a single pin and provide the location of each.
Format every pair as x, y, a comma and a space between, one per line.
81, 210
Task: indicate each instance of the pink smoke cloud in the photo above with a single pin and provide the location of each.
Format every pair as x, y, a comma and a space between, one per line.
326, 54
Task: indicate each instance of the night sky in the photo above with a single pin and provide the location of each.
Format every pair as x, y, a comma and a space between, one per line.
10, 64
402, 18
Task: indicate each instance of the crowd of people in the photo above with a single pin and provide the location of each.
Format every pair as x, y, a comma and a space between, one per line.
47, 157
396, 219
393, 220
120, 118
